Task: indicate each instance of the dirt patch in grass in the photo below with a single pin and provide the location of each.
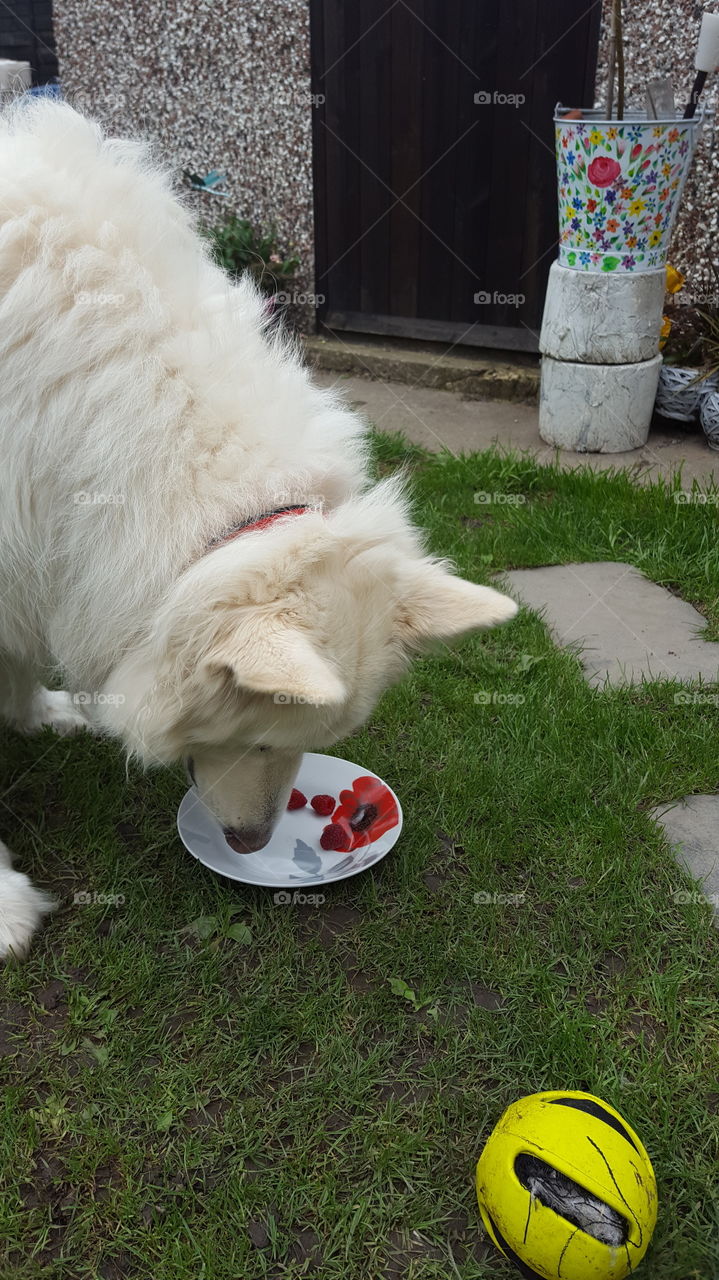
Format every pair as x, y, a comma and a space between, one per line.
14, 1019
487, 998
362, 983
305, 1248
404, 1092
210, 1116
176, 1024
328, 922
259, 1236
434, 882
117, 1267
52, 995
107, 1179
406, 1249
645, 1027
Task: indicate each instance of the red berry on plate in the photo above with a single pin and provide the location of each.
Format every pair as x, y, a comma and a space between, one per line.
323, 805
296, 800
335, 837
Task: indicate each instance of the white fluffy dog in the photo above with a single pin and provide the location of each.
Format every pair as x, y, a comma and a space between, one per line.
147, 413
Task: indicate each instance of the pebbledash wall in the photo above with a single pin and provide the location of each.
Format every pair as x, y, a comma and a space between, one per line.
222, 85
661, 40
219, 85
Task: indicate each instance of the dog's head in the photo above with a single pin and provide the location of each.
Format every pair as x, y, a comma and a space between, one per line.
280, 642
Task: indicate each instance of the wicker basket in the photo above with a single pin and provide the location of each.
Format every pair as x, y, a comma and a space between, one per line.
679, 394
710, 417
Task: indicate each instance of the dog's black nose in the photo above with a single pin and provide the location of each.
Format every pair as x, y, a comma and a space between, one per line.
248, 840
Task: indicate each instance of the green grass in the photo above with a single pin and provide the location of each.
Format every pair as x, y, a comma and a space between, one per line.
223, 1110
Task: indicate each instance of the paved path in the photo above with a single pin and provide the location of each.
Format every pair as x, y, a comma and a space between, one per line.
628, 628
442, 419
692, 826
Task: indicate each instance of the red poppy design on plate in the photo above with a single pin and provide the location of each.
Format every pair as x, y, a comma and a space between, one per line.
367, 811
603, 171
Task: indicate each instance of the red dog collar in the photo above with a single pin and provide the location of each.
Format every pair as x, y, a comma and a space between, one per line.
257, 522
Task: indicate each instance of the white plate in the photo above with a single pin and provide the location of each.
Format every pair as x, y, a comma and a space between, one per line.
294, 856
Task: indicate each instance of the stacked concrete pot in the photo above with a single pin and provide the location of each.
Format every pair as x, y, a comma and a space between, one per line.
600, 359
620, 185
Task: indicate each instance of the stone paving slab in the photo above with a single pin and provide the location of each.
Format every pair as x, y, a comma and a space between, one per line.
443, 420
629, 629
692, 826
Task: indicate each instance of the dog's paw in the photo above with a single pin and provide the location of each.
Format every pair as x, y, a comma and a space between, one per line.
56, 708
22, 908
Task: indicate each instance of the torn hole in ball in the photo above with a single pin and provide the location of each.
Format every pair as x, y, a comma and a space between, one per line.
571, 1201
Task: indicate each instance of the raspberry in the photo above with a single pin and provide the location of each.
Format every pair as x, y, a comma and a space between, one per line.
296, 800
323, 805
335, 837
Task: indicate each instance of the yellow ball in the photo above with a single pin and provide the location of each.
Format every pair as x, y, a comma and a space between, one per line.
566, 1190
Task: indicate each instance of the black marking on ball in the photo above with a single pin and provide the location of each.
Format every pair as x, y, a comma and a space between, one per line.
591, 1108
620, 1194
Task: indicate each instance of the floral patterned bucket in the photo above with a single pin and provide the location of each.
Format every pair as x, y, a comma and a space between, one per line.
620, 182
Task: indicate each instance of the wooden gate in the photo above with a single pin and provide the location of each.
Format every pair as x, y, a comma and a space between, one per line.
435, 193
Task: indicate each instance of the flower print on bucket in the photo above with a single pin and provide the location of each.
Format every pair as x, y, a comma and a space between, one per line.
621, 182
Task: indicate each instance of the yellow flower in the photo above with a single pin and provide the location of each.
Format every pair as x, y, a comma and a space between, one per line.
657, 133
611, 133
569, 212
595, 136
665, 331
654, 238
666, 169
675, 279
637, 205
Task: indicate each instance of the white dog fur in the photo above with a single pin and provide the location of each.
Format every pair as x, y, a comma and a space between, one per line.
146, 408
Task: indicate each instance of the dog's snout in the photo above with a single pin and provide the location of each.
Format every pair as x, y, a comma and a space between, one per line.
249, 840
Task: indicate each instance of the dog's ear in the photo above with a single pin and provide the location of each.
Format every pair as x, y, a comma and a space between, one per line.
437, 605
278, 660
